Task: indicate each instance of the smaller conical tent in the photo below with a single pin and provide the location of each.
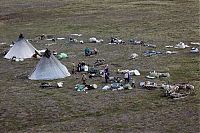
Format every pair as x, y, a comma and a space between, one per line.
49, 68
21, 49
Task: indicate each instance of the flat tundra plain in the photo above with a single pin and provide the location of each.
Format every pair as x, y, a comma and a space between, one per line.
25, 107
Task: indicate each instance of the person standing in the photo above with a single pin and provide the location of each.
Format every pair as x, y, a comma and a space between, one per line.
127, 77
106, 70
133, 84
79, 67
106, 73
84, 78
73, 68
106, 77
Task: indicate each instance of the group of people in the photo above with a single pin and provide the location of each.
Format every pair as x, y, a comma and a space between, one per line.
82, 67
106, 74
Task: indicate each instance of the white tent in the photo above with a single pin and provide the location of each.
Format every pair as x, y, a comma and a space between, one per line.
49, 68
21, 49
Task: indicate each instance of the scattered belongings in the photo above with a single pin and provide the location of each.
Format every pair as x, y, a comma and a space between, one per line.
185, 86
148, 85
94, 40
99, 62
169, 46
81, 41
115, 79
181, 45
54, 52
85, 68
48, 37
149, 45
195, 43
94, 72
76, 34
89, 52
60, 84
17, 59
50, 85
60, 38
177, 91
62, 56
150, 77
171, 52
2, 43
133, 56
132, 72
151, 52
136, 42
42, 37
117, 86
127, 87
51, 39
122, 71
46, 85
194, 50
106, 87
116, 41
49, 44
158, 75
81, 87
73, 40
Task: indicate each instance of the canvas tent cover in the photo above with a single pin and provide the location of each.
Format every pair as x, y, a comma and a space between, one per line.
21, 49
49, 68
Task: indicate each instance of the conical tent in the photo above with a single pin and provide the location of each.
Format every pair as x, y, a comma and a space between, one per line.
49, 68
21, 49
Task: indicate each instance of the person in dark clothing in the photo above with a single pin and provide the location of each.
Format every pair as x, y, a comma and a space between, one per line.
106, 70
106, 77
127, 77
79, 67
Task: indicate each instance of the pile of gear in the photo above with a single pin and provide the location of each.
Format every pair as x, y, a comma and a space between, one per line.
50, 85
177, 91
149, 85
89, 52
118, 86
81, 87
99, 62
154, 74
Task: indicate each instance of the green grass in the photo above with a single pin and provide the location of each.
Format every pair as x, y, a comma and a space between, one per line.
25, 107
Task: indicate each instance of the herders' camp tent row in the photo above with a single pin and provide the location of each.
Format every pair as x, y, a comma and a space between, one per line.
48, 68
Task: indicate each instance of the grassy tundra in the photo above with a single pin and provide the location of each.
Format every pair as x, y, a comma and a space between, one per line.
26, 107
